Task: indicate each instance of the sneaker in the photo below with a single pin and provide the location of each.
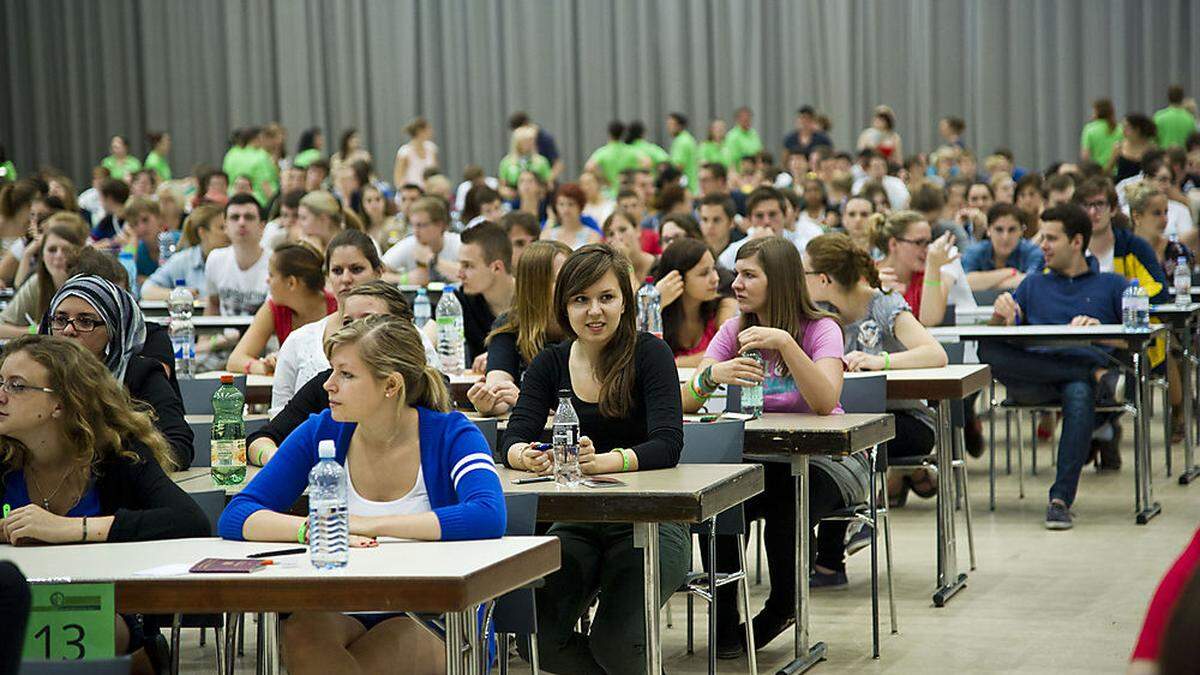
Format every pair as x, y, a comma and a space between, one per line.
1058, 516
829, 581
1110, 390
859, 540
731, 644
768, 626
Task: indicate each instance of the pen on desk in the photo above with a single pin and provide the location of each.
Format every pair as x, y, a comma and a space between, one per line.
286, 551
535, 479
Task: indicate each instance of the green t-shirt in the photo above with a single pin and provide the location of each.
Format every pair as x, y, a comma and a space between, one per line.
1174, 124
302, 160
8, 171
684, 157
511, 167
1099, 141
653, 152
262, 171
712, 152
741, 143
236, 163
120, 169
613, 158
159, 164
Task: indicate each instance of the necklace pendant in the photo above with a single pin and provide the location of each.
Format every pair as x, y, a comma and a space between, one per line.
46, 504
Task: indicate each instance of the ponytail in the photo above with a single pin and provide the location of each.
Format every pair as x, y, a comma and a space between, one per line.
883, 228
432, 393
876, 230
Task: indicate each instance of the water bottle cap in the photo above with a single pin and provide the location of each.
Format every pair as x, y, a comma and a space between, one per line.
326, 449
649, 280
227, 379
1134, 283
178, 283
421, 290
564, 393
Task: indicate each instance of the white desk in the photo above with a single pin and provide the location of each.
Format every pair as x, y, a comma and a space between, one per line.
215, 323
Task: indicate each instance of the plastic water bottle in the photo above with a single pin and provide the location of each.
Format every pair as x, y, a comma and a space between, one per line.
166, 245
1143, 309
228, 445
1183, 282
752, 396
127, 258
565, 441
649, 309
1129, 306
451, 341
328, 511
183, 332
421, 308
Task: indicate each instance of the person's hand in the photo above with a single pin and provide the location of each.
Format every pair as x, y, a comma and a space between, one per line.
742, 371
423, 254
670, 287
506, 393
32, 524
33, 250
857, 361
941, 252
1084, 320
479, 365
761, 337
268, 363
1037, 239
536, 461
888, 280
481, 396
1006, 309
359, 541
587, 456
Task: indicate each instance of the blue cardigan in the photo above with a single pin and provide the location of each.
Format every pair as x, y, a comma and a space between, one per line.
460, 476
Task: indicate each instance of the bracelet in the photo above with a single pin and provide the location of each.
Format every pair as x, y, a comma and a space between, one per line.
887, 360
302, 533
259, 457
212, 342
933, 282
624, 458
246, 368
84, 538
707, 381
1014, 271
702, 398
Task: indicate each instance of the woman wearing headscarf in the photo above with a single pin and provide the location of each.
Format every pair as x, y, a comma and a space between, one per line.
106, 320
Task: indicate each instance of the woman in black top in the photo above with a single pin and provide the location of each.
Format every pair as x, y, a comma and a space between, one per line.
521, 332
624, 388
79, 460
107, 322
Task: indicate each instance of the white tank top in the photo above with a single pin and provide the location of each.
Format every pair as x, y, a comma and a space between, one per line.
416, 501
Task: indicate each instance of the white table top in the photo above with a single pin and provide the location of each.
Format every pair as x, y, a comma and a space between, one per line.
199, 479
1043, 332
218, 322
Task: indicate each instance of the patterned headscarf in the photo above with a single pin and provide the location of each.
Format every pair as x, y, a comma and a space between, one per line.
121, 315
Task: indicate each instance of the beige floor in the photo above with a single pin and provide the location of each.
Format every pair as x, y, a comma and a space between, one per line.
1039, 602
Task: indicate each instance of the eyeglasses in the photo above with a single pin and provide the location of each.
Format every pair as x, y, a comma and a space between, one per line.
916, 242
16, 388
81, 324
1099, 205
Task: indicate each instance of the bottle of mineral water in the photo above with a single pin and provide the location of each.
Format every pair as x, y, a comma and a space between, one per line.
451, 342
649, 306
566, 441
1183, 282
752, 396
328, 511
228, 446
1143, 308
421, 308
183, 332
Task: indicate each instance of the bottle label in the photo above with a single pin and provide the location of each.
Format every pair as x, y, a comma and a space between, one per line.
229, 454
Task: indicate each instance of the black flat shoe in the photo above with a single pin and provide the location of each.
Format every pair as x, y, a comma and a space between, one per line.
733, 645
768, 626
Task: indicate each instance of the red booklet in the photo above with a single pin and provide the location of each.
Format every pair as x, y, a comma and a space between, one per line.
228, 565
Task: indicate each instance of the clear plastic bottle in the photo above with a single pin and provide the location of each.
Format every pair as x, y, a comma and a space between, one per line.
649, 309
183, 332
451, 342
422, 310
565, 441
1143, 308
128, 259
328, 511
228, 445
1182, 282
752, 396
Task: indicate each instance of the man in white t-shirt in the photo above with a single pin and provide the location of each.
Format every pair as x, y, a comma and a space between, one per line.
767, 209
430, 253
236, 275
877, 169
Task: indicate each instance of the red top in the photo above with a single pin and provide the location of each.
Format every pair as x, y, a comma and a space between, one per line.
1164, 598
710, 329
650, 244
912, 292
284, 315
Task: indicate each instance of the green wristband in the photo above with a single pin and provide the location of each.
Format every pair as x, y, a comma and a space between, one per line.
302, 533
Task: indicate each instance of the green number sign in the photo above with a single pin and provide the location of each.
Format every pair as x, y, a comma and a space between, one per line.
70, 622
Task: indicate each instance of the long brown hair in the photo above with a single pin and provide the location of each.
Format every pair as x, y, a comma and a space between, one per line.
615, 369
837, 255
70, 228
531, 317
788, 303
99, 417
387, 344
681, 256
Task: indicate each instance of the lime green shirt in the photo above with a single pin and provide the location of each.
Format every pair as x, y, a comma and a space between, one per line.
1174, 124
511, 167
305, 158
120, 169
262, 171
613, 158
8, 171
1099, 142
741, 143
236, 163
712, 152
685, 157
159, 164
653, 152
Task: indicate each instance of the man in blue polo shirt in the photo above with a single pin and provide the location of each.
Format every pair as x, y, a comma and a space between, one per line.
1005, 257
1071, 292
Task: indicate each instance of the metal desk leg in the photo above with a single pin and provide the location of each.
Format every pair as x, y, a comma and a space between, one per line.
806, 656
645, 537
454, 644
270, 643
1186, 375
949, 580
470, 628
1147, 508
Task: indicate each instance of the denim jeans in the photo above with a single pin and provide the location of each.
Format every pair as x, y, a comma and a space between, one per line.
1066, 377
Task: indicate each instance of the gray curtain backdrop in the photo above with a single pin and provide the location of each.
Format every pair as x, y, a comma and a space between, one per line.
1021, 73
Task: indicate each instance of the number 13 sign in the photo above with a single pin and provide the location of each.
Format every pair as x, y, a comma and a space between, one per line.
70, 622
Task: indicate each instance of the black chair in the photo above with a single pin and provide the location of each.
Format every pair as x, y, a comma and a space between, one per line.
117, 666
515, 613
987, 297
202, 439
718, 442
212, 503
489, 427
197, 393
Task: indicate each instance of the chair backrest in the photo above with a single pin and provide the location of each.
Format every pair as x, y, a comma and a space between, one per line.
515, 611
948, 319
197, 393
719, 442
955, 352
867, 394
117, 666
202, 439
490, 431
212, 503
733, 398
987, 297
